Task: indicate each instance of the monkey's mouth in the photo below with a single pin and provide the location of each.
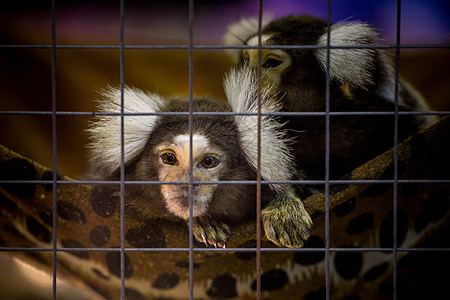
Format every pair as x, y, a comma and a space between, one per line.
179, 205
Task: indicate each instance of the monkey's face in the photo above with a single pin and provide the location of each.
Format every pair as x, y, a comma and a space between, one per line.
299, 74
208, 164
274, 62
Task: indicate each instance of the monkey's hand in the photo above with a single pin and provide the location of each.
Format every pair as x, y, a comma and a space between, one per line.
211, 232
286, 222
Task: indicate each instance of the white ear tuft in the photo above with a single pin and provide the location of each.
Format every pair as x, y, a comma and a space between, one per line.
238, 33
276, 160
105, 131
355, 65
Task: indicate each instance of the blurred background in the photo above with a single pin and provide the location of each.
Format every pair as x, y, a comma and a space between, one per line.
26, 72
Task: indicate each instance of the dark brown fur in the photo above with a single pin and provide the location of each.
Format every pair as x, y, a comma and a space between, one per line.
353, 139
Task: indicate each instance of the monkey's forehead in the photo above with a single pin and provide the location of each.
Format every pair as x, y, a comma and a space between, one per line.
199, 105
183, 140
211, 126
215, 127
294, 30
206, 124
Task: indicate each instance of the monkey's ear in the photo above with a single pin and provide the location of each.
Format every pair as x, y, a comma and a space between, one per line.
276, 161
239, 32
105, 131
354, 66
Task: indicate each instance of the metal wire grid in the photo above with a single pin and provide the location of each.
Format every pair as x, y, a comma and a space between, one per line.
327, 182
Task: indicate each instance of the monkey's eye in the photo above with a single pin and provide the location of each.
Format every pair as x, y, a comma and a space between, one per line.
209, 162
169, 158
272, 62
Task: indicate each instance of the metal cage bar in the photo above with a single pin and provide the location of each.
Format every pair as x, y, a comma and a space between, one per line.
327, 182
211, 47
331, 113
258, 163
54, 149
327, 157
122, 152
396, 124
191, 159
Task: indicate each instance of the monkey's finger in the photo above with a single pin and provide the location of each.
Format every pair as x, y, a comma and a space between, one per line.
210, 233
217, 238
227, 230
219, 234
284, 238
271, 233
201, 238
296, 240
199, 233
204, 240
222, 238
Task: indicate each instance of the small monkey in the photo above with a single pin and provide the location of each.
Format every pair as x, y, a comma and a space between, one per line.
361, 79
157, 148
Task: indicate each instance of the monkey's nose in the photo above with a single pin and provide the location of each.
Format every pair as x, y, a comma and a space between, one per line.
186, 187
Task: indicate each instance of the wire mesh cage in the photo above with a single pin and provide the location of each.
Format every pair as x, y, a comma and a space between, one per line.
376, 231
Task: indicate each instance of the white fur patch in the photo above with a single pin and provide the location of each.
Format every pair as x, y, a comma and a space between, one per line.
276, 160
254, 40
199, 142
105, 131
352, 66
239, 32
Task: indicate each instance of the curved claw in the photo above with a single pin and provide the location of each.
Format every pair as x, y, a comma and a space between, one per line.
286, 222
203, 240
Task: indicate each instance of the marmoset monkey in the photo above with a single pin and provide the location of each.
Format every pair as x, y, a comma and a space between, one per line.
361, 78
157, 148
